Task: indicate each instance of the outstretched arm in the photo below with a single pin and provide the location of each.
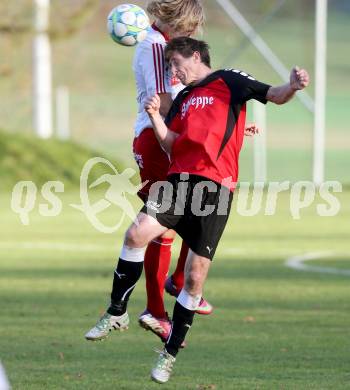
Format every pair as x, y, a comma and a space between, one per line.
165, 136
299, 79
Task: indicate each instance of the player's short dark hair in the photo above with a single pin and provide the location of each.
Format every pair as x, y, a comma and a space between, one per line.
186, 46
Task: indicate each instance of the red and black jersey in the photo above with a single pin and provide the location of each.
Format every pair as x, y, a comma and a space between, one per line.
210, 120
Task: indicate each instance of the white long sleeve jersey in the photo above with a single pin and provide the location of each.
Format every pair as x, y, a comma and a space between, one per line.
151, 75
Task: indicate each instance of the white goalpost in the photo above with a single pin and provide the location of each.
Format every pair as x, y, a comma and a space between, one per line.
317, 107
42, 73
320, 92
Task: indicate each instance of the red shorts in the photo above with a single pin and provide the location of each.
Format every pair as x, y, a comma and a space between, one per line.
153, 162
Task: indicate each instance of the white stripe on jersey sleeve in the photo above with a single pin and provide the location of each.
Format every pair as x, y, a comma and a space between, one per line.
159, 65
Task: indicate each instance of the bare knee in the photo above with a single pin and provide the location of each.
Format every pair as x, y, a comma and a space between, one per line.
134, 238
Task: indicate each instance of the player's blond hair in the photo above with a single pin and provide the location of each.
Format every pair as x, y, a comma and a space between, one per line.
184, 16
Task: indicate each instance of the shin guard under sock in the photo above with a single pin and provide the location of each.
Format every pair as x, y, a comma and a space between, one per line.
182, 321
126, 276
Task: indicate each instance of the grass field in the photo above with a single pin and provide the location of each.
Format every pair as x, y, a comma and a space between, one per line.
273, 327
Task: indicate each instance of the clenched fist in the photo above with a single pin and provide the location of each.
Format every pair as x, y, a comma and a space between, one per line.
299, 78
152, 105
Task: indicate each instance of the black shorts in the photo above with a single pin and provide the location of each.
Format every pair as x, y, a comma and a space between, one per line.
195, 207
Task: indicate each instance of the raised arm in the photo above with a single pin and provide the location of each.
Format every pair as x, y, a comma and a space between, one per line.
299, 79
165, 136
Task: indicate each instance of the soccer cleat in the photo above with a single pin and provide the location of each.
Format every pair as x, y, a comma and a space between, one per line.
204, 307
162, 370
171, 288
107, 323
159, 326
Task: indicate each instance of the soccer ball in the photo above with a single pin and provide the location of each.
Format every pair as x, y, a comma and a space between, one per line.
128, 24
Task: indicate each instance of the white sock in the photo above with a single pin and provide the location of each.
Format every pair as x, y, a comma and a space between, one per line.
135, 255
188, 301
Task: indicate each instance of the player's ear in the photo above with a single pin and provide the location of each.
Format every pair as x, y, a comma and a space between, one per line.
197, 57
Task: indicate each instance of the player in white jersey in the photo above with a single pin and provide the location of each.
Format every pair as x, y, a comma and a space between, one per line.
152, 76
172, 18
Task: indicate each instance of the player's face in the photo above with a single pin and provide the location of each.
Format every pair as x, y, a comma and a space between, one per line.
183, 68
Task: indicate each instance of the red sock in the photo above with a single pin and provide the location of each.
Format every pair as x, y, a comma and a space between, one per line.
178, 275
157, 261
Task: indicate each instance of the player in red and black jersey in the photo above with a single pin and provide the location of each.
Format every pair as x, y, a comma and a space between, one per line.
209, 118
203, 134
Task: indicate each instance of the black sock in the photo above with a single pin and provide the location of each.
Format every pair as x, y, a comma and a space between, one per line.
182, 321
126, 276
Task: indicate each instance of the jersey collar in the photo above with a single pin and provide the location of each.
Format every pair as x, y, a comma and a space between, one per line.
166, 36
212, 76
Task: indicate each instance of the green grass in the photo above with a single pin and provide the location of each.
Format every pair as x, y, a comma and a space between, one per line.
339, 262
272, 328
24, 157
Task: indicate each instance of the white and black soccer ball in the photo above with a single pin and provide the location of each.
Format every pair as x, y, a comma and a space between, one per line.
128, 24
